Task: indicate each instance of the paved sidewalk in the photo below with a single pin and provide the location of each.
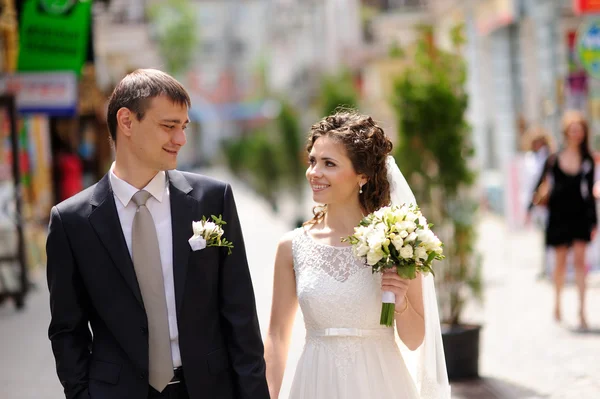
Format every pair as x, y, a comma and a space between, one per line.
524, 354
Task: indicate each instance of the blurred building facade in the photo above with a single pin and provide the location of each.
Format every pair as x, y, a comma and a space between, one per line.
522, 70
248, 53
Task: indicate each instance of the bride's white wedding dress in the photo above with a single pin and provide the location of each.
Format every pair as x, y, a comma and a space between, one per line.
347, 354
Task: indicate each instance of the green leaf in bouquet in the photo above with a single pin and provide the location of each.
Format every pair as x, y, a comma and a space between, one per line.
427, 269
431, 257
408, 271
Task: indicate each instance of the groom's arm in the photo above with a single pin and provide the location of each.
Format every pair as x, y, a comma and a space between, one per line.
68, 331
238, 311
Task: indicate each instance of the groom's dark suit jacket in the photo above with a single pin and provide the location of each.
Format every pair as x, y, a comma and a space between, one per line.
93, 286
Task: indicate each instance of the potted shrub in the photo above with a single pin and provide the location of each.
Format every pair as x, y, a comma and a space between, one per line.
434, 153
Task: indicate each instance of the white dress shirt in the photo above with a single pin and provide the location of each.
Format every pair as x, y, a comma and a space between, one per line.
159, 205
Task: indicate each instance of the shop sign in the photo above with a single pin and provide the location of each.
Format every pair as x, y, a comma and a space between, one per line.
586, 6
588, 47
54, 35
52, 93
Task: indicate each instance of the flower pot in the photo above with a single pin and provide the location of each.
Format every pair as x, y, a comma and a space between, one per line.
461, 349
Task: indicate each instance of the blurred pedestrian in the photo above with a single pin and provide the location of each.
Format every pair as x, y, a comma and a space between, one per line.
566, 188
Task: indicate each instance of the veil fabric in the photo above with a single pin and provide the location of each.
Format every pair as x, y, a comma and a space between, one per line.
427, 364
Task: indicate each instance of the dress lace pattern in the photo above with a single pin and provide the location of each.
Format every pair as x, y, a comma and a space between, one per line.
337, 290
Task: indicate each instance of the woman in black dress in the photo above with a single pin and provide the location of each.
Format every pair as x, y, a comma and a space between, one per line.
568, 180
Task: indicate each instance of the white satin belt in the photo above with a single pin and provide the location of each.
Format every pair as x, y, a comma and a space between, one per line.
350, 332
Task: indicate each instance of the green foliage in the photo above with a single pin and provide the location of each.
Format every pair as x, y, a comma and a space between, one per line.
430, 103
291, 139
396, 51
236, 153
255, 159
338, 91
175, 22
270, 159
434, 152
263, 165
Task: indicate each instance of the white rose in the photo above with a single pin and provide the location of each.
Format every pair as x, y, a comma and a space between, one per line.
376, 239
431, 242
210, 228
411, 237
403, 234
406, 252
380, 213
360, 231
411, 216
421, 253
409, 226
398, 242
401, 212
197, 228
426, 236
374, 256
361, 249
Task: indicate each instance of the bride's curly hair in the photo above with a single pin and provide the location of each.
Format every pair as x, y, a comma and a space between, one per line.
367, 146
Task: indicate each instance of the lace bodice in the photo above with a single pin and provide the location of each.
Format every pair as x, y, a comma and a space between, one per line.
335, 289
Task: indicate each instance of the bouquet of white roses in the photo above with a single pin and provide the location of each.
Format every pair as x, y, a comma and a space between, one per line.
396, 236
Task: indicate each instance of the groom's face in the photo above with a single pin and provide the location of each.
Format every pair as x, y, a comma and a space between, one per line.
157, 138
331, 174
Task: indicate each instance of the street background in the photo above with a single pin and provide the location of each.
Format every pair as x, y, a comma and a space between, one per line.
483, 80
524, 354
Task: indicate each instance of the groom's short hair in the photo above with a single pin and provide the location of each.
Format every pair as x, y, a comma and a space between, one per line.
135, 91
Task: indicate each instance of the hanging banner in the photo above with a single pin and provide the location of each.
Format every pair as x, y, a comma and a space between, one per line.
54, 35
588, 47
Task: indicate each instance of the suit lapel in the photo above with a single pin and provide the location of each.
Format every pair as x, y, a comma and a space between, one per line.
105, 221
183, 209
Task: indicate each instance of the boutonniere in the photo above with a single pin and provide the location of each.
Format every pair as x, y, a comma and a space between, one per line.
209, 234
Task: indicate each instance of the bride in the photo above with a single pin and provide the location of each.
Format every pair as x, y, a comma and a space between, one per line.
348, 354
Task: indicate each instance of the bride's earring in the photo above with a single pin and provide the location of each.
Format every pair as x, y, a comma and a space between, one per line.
360, 190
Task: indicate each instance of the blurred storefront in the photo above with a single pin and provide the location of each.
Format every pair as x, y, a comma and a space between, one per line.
47, 64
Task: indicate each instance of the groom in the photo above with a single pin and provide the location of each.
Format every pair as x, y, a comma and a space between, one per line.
136, 312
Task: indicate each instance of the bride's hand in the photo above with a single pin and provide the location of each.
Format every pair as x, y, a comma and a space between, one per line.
396, 284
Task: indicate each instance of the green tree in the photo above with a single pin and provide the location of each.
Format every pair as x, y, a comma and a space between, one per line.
435, 152
271, 159
176, 31
338, 90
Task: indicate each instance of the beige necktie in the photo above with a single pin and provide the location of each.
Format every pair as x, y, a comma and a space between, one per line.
148, 269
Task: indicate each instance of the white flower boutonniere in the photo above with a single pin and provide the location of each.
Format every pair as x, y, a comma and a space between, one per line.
209, 234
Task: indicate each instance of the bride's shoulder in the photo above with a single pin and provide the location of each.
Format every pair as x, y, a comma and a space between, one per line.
289, 237
285, 247
286, 241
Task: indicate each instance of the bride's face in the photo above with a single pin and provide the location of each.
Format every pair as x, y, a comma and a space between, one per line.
331, 174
